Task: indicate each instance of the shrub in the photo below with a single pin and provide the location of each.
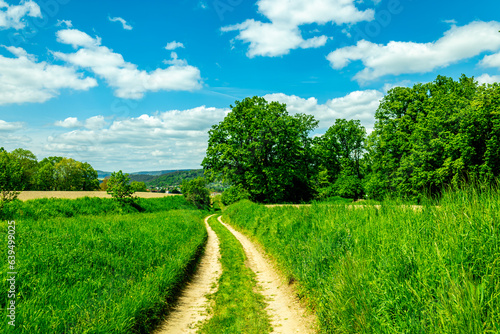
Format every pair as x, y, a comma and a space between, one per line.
234, 194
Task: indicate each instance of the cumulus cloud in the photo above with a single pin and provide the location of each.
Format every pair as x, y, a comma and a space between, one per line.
95, 123
126, 79
359, 105
70, 122
282, 33
174, 45
124, 23
12, 16
170, 139
488, 79
396, 58
23, 79
10, 126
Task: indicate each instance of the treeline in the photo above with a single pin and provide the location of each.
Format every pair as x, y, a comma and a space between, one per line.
20, 170
426, 138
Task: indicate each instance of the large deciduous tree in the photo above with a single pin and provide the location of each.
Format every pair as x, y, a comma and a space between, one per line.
263, 149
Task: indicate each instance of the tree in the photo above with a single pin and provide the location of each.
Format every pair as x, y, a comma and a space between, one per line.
75, 175
196, 192
263, 149
11, 177
339, 153
138, 186
44, 178
119, 187
434, 135
104, 184
29, 165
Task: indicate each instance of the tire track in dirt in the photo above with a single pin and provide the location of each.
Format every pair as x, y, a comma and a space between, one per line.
287, 315
191, 307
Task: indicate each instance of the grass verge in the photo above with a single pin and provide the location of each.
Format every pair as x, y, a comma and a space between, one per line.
391, 269
238, 307
108, 274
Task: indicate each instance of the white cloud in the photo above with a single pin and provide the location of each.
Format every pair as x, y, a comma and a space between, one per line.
23, 79
282, 34
359, 105
491, 61
396, 58
124, 23
12, 16
10, 126
488, 79
77, 38
95, 123
70, 122
127, 80
174, 45
171, 139
66, 23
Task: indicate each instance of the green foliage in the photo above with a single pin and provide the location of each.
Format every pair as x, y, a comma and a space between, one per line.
75, 175
196, 192
234, 194
237, 308
118, 186
107, 274
137, 186
434, 135
263, 149
393, 268
28, 164
11, 177
173, 179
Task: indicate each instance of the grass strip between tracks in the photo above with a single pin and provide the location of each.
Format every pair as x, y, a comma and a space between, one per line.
237, 306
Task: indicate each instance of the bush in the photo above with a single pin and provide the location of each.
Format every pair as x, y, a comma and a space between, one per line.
234, 194
196, 192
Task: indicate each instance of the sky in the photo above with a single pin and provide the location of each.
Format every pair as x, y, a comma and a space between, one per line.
136, 85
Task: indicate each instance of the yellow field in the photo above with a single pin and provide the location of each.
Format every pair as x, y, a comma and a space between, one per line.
26, 195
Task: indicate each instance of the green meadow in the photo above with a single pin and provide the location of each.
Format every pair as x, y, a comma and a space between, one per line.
95, 266
389, 269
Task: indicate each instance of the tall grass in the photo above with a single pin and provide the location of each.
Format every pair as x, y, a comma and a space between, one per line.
107, 274
391, 269
46, 208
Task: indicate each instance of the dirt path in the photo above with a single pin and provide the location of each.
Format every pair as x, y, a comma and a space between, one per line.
192, 305
287, 315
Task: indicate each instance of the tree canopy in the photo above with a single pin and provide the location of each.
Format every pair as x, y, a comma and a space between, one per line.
263, 149
434, 135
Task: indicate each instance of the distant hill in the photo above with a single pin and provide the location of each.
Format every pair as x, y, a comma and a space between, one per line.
102, 174
173, 179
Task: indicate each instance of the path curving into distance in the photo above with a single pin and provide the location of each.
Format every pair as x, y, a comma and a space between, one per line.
287, 315
191, 307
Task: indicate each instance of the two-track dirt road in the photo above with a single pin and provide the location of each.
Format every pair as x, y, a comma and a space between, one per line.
287, 314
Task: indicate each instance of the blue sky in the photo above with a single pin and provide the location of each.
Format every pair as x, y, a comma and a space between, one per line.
136, 85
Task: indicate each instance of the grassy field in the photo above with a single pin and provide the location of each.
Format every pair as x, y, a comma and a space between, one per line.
238, 308
391, 269
91, 273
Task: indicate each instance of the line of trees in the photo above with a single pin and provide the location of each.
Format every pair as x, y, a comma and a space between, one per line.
426, 138
20, 170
